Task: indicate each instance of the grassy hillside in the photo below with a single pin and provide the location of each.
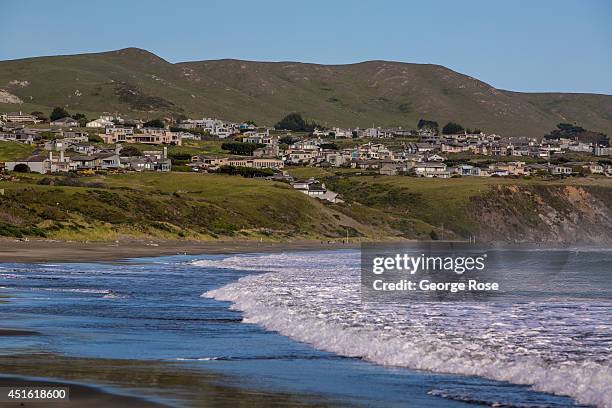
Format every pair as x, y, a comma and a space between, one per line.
14, 150
210, 206
574, 210
137, 83
172, 206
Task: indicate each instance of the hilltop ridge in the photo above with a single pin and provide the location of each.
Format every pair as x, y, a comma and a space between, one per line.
138, 83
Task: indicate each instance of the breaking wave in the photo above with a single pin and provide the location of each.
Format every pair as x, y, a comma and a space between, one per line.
556, 347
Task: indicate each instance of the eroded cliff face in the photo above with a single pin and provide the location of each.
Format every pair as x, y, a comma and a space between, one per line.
566, 215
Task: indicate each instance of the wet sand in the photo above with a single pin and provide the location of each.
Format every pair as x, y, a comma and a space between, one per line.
136, 383
61, 251
119, 382
79, 396
17, 332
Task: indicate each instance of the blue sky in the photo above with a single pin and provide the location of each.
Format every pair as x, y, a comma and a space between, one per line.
518, 45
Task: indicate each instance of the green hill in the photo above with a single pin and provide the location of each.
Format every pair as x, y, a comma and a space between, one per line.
137, 83
213, 206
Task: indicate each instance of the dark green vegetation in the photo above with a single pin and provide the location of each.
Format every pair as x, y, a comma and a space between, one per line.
58, 113
296, 123
241, 148
211, 206
244, 171
425, 124
569, 131
139, 84
155, 123
452, 128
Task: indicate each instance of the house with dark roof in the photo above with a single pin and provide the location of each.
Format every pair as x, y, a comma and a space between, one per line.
65, 122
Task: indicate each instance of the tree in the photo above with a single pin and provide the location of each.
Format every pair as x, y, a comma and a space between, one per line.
156, 123
40, 116
288, 140
94, 138
295, 122
569, 131
431, 125
240, 148
329, 146
452, 128
130, 151
58, 113
245, 171
21, 168
81, 118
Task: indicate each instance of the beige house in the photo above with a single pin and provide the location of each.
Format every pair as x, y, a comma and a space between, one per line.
256, 162
19, 117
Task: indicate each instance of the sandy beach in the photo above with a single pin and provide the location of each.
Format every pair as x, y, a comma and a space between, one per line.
163, 384
12, 250
102, 382
80, 395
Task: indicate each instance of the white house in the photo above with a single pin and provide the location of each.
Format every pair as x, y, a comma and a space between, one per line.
101, 122
431, 170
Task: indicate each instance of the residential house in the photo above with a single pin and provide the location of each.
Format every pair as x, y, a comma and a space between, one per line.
82, 148
205, 162
20, 117
156, 136
561, 170
117, 134
341, 133
260, 136
65, 122
98, 161
454, 147
419, 148
303, 157
515, 168
315, 189
151, 160
376, 133
435, 158
389, 168
602, 151
269, 150
37, 164
45, 164
467, 170
430, 170
256, 162
75, 136
101, 122
20, 135
153, 136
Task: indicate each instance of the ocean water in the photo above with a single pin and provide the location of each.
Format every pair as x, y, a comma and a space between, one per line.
294, 322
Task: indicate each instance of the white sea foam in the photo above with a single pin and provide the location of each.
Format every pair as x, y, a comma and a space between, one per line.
195, 359
77, 290
561, 348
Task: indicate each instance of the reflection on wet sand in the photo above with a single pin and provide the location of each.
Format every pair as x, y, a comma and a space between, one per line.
155, 383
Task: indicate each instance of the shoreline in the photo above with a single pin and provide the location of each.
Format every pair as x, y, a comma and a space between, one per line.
79, 394
101, 382
40, 250
71, 251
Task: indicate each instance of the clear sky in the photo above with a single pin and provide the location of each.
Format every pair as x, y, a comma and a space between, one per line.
537, 45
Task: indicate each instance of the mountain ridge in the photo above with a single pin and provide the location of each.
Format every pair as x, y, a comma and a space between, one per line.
138, 83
